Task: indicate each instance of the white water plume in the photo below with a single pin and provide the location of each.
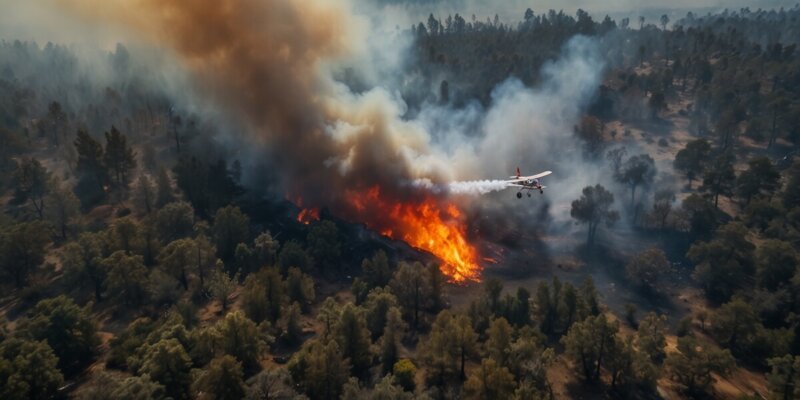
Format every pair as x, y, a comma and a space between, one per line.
477, 187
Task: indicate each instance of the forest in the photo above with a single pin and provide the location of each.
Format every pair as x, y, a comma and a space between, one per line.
140, 259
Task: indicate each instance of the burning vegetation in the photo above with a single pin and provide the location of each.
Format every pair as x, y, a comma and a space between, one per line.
428, 224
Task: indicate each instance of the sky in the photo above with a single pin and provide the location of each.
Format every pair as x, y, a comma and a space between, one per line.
43, 21
404, 12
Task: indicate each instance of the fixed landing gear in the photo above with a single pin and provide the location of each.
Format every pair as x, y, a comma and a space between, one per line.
541, 191
529, 194
519, 195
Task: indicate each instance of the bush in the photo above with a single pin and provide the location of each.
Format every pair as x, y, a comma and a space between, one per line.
404, 372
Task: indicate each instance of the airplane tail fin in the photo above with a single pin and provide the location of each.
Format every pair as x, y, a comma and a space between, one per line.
518, 173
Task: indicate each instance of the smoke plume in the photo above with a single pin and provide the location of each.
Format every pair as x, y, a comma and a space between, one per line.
272, 63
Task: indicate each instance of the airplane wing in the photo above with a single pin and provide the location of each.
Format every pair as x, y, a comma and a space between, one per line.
541, 175
523, 186
525, 178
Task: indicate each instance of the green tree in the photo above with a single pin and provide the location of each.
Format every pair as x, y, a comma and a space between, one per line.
28, 370
492, 288
167, 363
231, 227
646, 268
451, 342
272, 383
438, 352
719, 178
293, 255
32, 183
184, 257
694, 362
630, 369
700, 216
776, 263
300, 288
436, 283
124, 235
82, 266
240, 338
68, 329
498, 343
530, 360
127, 278
761, 178
404, 372
22, 250
735, 325
290, 323
411, 286
118, 157
56, 120
319, 369
778, 105
784, 377
174, 221
325, 246
760, 213
548, 306
138, 388
662, 206
589, 297
207, 186
379, 302
692, 159
63, 209
222, 286
245, 258
637, 171
144, 194
519, 311
587, 343
791, 191
263, 295
221, 379
650, 337
593, 208
389, 343
91, 171
489, 381
375, 271
266, 249
354, 339
722, 264
107, 386
175, 258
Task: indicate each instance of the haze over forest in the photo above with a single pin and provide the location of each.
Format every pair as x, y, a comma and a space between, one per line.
313, 199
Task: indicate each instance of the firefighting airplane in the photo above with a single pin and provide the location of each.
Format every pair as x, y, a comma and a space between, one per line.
527, 183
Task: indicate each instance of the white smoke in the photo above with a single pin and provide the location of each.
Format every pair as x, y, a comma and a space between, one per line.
477, 187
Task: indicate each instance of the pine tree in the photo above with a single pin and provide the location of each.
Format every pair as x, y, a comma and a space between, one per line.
393, 332
32, 183
221, 379
354, 339
118, 157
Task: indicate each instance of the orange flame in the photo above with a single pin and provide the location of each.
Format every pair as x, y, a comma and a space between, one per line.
426, 225
308, 215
